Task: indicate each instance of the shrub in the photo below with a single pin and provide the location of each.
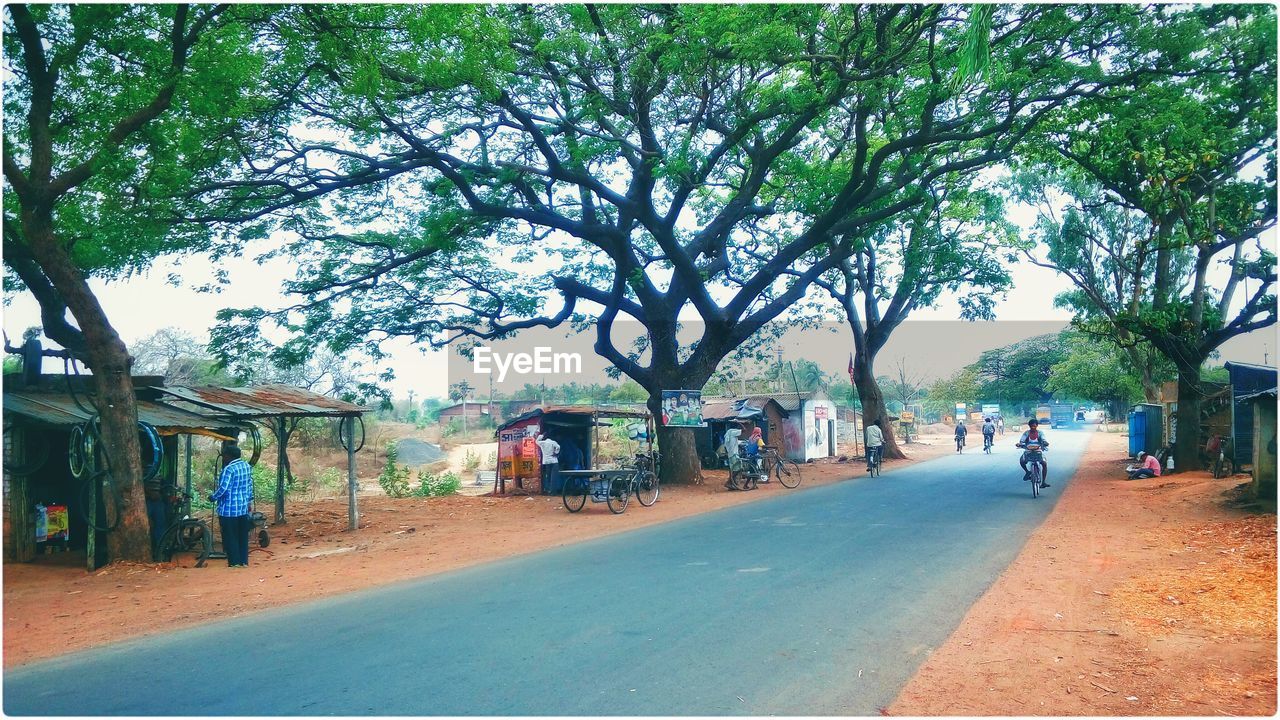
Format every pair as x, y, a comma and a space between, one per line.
437, 485
394, 480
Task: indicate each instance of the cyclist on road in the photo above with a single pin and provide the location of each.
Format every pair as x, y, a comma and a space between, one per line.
961, 432
1033, 434
875, 444
988, 432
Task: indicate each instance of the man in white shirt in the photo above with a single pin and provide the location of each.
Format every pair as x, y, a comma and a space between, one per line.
875, 444
550, 451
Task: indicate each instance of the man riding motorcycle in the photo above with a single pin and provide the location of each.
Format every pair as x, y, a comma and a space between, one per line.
1034, 435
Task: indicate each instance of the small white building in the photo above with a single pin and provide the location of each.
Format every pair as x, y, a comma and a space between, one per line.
811, 428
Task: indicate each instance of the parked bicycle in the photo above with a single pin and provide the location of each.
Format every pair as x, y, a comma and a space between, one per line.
185, 535
786, 470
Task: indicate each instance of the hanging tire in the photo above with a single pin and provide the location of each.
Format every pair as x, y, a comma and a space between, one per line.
39, 456
787, 472
152, 468
647, 488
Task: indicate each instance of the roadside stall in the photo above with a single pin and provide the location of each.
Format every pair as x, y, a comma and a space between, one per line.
583, 452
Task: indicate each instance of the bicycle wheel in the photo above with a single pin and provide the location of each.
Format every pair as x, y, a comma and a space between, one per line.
619, 495
787, 472
875, 468
575, 494
647, 488
189, 535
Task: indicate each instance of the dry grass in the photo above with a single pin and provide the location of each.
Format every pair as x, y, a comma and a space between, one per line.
1227, 584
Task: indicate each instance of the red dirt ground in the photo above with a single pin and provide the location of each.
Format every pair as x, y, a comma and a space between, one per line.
1144, 597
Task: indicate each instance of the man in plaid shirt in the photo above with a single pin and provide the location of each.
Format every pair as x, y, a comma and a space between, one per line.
232, 498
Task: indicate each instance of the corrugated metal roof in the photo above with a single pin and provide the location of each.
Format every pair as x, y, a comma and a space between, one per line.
60, 409
788, 401
582, 410
263, 401
727, 410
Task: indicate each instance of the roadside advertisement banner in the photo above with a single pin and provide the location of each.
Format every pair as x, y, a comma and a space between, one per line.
682, 408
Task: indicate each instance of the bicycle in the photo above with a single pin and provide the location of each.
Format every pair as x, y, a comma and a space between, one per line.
645, 481
875, 458
787, 471
1035, 465
185, 535
987, 442
749, 470
960, 443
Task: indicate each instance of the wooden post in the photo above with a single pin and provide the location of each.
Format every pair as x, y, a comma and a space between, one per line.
20, 505
353, 509
282, 440
186, 505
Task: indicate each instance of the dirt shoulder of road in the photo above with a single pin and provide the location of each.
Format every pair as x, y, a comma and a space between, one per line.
1143, 597
53, 607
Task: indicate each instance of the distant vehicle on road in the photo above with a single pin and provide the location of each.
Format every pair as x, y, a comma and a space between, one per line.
1062, 415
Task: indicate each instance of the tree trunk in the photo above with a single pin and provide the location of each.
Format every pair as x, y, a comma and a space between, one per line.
1186, 449
873, 408
109, 360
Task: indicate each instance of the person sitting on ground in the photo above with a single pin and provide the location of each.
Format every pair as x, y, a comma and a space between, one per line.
875, 444
1033, 434
1147, 467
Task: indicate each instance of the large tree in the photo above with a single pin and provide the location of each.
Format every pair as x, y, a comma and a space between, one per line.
956, 241
112, 111
1194, 153
663, 163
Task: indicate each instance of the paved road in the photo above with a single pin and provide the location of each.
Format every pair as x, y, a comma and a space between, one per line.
820, 601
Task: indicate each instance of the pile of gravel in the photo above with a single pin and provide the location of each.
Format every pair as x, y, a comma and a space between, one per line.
416, 452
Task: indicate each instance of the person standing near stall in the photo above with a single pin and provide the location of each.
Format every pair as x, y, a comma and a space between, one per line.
232, 499
550, 451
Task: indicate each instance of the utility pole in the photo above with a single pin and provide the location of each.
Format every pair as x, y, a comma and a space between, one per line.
465, 389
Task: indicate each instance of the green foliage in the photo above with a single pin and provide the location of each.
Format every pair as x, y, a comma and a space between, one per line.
1019, 373
430, 485
1095, 372
963, 386
394, 480
788, 137
265, 483
629, 391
